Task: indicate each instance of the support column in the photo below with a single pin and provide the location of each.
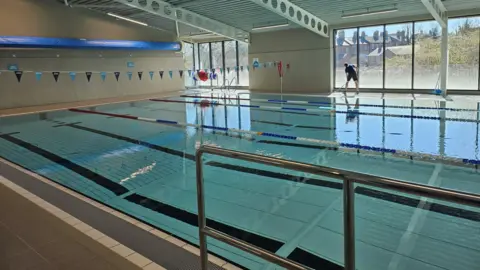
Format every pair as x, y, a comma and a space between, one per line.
444, 59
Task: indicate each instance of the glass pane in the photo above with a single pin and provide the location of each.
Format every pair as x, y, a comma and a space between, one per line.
464, 35
243, 62
371, 56
217, 62
188, 62
345, 52
195, 52
398, 56
204, 55
230, 62
427, 54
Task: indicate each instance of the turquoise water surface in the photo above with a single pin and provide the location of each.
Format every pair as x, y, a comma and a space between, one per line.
147, 170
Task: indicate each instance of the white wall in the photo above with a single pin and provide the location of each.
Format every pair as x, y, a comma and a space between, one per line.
47, 18
308, 54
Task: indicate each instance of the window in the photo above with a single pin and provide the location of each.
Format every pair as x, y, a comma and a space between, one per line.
188, 63
243, 72
217, 62
230, 62
204, 59
370, 61
463, 39
345, 52
408, 55
398, 56
427, 55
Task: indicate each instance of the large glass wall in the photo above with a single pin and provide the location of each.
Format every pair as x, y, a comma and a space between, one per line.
217, 62
464, 38
370, 45
345, 52
228, 58
204, 59
242, 70
408, 55
427, 59
188, 60
230, 62
398, 56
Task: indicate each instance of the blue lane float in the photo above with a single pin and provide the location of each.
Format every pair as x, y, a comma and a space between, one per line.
75, 43
346, 147
300, 102
323, 110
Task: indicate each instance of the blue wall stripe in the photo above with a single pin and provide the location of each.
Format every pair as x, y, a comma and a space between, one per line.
294, 109
45, 42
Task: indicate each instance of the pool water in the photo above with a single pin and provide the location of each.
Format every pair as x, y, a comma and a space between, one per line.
147, 170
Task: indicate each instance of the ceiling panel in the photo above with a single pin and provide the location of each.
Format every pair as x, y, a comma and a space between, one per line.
246, 15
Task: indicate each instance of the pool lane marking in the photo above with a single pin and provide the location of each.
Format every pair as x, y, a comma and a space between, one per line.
318, 112
390, 197
310, 259
100, 180
291, 244
408, 240
316, 103
269, 244
342, 146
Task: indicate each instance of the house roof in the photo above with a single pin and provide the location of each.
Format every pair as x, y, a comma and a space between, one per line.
401, 50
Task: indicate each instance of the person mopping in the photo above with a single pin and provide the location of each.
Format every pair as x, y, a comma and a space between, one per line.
351, 72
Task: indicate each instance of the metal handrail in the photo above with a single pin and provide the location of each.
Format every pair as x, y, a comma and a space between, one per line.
348, 178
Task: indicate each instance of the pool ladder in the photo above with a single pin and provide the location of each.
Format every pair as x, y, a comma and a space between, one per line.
349, 178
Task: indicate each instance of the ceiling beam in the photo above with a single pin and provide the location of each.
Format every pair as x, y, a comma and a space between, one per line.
295, 14
438, 11
166, 10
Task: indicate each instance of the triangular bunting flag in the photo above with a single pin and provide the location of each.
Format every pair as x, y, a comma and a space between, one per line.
129, 74
248, 68
288, 65
228, 70
73, 75
241, 68
38, 75
161, 74
89, 75
264, 65
221, 70
140, 73
151, 74
55, 75
19, 75
103, 75
117, 75
189, 73
170, 73
181, 73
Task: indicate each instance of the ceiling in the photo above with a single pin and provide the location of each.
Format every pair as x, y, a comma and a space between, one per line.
246, 15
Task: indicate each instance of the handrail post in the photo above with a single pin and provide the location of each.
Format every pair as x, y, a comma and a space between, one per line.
202, 221
349, 223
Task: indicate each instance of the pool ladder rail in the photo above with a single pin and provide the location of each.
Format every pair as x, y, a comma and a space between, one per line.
349, 178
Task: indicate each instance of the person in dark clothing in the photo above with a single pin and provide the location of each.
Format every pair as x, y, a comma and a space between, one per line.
351, 72
352, 114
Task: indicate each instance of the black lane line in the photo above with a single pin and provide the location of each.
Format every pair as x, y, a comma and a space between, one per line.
63, 124
137, 142
288, 177
313, 261
385, 196
269, 244
291, 125
88, 174
434, 207
320, 147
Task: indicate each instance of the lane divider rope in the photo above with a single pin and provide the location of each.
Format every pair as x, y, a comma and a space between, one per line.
341, 146
324, 110
300, 102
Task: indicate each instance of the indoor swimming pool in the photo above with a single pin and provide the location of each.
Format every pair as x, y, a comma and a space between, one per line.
147, 170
